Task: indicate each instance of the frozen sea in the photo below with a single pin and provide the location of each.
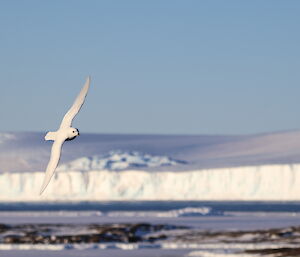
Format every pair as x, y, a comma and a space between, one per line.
176, 228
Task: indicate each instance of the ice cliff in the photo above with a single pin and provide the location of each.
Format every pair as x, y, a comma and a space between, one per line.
269, 182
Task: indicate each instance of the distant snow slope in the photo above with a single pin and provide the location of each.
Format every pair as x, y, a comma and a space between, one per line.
153, 167
22, 152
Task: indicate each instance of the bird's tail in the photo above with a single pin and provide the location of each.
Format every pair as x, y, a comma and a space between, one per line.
50, 136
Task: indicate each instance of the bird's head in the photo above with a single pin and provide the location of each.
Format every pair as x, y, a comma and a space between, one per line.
72, 133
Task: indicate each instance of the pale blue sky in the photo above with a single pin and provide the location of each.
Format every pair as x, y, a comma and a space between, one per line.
178, 67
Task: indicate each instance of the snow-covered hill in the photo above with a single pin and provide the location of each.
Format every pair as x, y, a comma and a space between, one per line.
118, 160
153, 167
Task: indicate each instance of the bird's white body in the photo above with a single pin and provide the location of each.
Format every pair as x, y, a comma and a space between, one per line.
64, 133
67, 133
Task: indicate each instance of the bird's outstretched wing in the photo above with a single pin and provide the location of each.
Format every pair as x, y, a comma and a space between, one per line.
69, 116
54, 159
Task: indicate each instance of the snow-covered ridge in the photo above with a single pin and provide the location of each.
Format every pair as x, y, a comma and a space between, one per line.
6, 136
118, 160
256, 183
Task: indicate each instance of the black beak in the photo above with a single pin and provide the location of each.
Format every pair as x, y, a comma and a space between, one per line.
78, 132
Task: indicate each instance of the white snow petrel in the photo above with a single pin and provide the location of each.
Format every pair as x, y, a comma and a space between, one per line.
64, 133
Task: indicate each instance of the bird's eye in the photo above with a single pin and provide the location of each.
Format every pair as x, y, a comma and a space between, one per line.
73, 131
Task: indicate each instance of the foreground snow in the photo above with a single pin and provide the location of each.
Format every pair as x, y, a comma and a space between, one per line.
271, 182
120, 253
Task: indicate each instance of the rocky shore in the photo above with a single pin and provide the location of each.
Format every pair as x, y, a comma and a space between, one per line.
91, 233
279, 242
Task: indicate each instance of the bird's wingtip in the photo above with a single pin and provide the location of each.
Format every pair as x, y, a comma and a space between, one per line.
42, 190
45, 184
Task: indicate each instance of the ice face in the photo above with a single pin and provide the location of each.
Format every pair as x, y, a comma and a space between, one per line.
270, 182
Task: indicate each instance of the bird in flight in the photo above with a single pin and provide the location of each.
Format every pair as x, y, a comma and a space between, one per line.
65, 133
